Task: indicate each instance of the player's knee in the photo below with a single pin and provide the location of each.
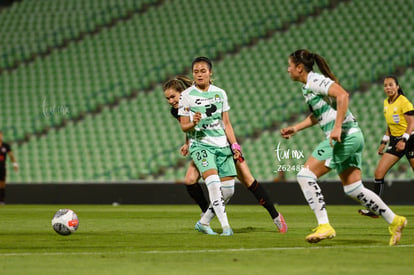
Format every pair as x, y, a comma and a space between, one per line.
379, 173
305, 174
190, 180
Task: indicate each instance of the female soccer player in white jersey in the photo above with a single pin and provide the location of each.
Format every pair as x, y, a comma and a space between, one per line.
341, 149
172, 91
203, 110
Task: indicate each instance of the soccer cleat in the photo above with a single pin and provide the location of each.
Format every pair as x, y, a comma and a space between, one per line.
396, 228
206, 229
367, 213
281, 224
227, 232
322, 232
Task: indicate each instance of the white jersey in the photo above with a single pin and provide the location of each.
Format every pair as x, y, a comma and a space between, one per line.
211, 104
323, 106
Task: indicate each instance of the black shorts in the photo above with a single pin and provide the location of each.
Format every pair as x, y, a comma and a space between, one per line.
409, 147
2, 174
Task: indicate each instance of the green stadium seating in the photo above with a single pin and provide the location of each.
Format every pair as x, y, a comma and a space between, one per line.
138, 137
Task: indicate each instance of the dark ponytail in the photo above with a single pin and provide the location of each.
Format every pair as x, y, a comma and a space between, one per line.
308, 59
400, 91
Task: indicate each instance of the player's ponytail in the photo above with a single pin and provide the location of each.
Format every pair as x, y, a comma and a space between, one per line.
324, 68
308, 59
400, 91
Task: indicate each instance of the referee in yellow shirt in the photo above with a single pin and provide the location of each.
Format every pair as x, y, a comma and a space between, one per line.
399, 115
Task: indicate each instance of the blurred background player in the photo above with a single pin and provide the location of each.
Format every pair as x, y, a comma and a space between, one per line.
398, 112
172, 91
5, 150
341, 149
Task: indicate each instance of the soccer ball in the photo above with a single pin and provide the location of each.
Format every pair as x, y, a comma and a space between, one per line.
65, 222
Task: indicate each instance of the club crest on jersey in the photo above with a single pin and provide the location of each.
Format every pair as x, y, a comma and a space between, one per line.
217, 98
204, 163
396, 118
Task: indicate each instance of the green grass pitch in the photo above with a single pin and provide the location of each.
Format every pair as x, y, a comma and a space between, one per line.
160, 239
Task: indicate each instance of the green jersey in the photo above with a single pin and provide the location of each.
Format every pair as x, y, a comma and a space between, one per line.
323, 106
211, 104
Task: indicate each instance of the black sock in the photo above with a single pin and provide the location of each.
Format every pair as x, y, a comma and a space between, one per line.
262, 197
197, 193
2, 194
379, 186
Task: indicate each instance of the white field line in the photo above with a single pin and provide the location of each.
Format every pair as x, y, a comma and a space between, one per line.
5, 254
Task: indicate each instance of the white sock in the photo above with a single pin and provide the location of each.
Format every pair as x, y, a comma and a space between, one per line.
216, 198
208, 216
370, 200
313, 194
227, 188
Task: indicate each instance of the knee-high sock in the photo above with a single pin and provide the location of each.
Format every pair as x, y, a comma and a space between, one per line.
216, 198
370, 200
208, 215
227, 188
263, 198
197, 194
313, 194
379, 186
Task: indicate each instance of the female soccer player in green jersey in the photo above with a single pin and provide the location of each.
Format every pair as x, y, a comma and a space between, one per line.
340, 150
203, 110
172, 91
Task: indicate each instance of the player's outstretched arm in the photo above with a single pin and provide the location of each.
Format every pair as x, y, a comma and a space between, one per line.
290, 131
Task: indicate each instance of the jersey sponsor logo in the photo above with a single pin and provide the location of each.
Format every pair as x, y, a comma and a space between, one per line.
198, 101
211, 125
215, 99
210, 109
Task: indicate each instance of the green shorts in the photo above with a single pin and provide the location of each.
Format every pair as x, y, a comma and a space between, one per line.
208, 157
343, 155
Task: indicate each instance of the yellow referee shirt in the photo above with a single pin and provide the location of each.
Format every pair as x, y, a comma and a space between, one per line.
394, 115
